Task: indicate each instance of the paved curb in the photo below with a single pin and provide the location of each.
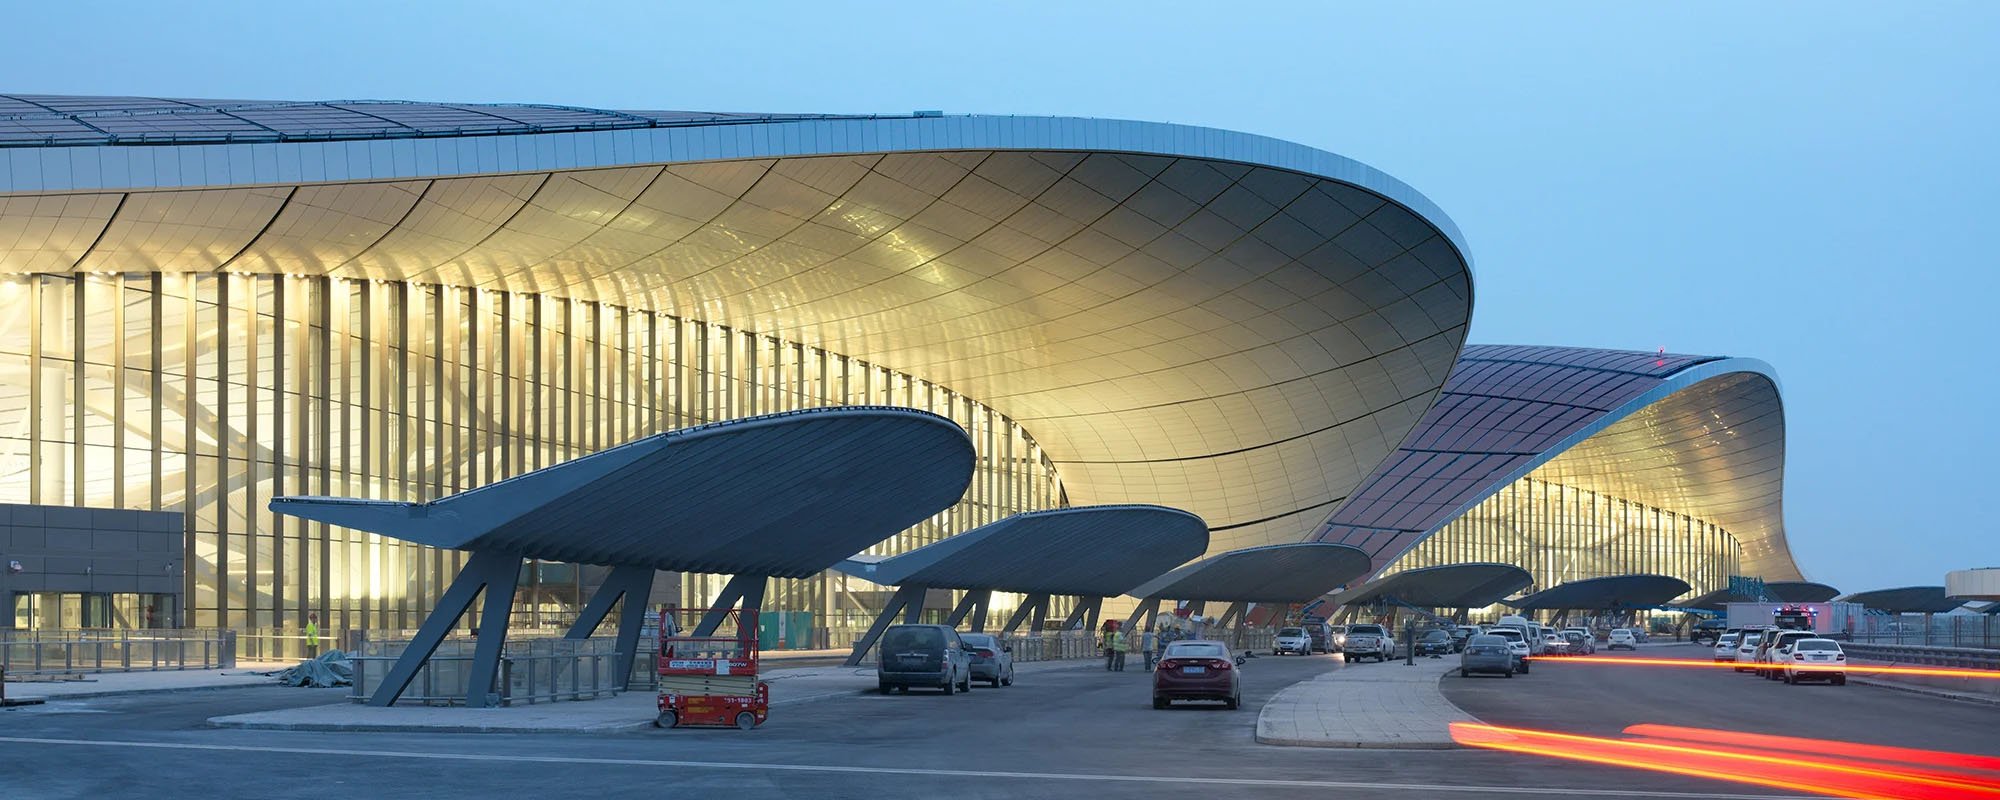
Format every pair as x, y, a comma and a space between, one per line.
1417, 689
54, 698
1942, 694
324, 727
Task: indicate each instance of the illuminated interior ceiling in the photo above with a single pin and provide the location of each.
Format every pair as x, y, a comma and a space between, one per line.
1703, 436
1224, 323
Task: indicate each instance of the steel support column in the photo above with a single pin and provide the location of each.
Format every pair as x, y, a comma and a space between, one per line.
749, 589
632, 583
490, 571
1029, 607
1149, 610
905, 596
974, 599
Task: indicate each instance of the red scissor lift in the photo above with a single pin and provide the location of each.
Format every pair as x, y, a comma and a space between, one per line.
710, 681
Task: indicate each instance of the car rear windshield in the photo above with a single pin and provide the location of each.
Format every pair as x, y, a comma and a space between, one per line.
1435, 635
913, 638
1291, 631
1195, 650
1507, 633
1368, 629
1817, 645
1752, 638
976, 639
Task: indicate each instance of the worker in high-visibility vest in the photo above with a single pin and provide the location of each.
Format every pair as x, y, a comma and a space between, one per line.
1114, 649
312, 635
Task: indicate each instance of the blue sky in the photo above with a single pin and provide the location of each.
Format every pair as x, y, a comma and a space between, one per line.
1809, 184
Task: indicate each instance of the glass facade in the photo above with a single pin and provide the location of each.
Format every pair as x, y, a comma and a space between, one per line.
212, 393
1562, 533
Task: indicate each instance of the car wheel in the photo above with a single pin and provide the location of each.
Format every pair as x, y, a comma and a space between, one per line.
883, 688
666, 719
949, 687
745, 720
1009, 680
1350, 659
1510, 674
1464, 673
1840, 680
1524, 668
1159, 702
966, 685
1232, 703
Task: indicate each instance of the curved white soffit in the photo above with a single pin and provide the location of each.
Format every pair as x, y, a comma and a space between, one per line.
1252, 447
1787, 568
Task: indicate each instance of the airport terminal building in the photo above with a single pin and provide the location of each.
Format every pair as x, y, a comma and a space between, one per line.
206, 305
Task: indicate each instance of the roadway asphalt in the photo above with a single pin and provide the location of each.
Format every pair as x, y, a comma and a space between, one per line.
1601, 699
1062, 733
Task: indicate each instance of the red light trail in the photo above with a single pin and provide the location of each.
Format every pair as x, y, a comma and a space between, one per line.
1871, 669
1778, 762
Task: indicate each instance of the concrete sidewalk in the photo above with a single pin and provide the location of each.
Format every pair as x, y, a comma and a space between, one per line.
111, 684
1390, 705
629, 711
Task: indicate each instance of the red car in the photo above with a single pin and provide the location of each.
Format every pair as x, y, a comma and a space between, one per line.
1196, 670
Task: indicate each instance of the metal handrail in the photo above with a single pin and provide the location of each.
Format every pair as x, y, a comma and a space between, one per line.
96, 651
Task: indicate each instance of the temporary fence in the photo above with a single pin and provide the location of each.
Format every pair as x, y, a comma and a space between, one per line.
24, 653
532, 670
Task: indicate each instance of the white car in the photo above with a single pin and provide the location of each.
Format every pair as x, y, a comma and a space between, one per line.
1816, 659
1746, 650
1515, 643
1775, 648
1292, 640
1725, 647
1622, 637
1553, 643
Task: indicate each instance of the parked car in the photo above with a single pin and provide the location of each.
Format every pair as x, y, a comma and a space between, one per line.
1775, 649
928, 656
1622, 637
1337, 637
1462, 635
1580, 643
992, 661
1553, 643
1369, 640
1433, 642
1321, 635
1725, 647
1488, 654
1196, 669
1516, 644
1816, 659
1708, 631
1746, 650
1292, 640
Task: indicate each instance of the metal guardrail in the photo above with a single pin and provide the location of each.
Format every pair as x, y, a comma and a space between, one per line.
41, 653
532, 670
1957, 657
1938, 630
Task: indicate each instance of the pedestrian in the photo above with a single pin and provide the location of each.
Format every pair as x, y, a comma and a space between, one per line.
1146, 644
312, 635
1114, 648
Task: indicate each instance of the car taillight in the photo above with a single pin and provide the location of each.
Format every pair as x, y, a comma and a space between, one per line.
1840, 657
1798, 656
985, 653
1218, 663
1170, 663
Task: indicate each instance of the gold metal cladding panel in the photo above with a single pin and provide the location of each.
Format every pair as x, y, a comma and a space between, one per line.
1714, 450
1242, 342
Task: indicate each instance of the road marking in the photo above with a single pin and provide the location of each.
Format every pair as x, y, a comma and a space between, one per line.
1541, 791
